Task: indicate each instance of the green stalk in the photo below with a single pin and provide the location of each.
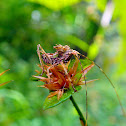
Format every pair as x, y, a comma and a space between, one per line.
82, 119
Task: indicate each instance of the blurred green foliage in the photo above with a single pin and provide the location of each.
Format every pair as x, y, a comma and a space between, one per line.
24, 24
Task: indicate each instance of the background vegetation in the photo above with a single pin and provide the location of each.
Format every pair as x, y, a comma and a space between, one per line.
79, 24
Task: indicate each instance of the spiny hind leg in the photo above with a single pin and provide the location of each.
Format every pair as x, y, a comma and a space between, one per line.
39, 55
42, 52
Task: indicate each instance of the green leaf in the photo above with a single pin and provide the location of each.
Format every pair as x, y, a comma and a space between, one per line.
93, 51
78, 42
53, 101
57, 4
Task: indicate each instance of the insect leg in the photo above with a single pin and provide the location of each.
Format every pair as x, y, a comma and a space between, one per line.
68, 76
40, 57
38, 52
48, 71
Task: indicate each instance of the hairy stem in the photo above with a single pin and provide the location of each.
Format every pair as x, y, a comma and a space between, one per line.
83, 121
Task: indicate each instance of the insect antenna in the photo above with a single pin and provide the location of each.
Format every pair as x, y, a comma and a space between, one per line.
110, 83
86, 91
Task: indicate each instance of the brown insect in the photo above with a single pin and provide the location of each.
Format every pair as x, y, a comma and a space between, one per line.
63, 55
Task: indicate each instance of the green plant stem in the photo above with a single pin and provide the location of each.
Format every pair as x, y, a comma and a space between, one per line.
78, 110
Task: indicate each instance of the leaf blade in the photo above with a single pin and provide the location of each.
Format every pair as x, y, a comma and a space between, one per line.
53, 101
